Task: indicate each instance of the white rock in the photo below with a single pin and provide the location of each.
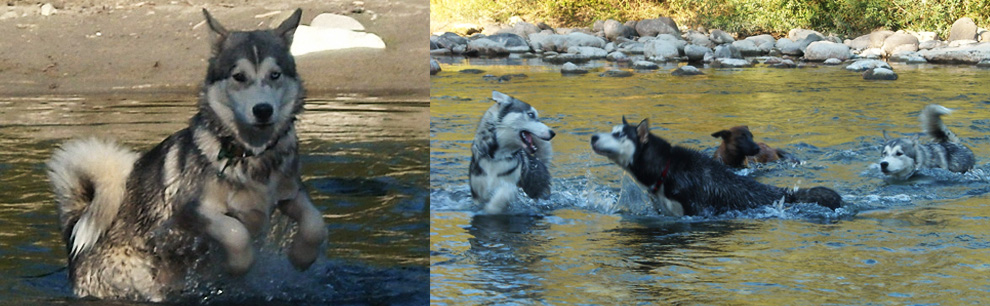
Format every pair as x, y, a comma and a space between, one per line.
863, 65
48, 9
823, 50
309, 39
645, 65
337, 22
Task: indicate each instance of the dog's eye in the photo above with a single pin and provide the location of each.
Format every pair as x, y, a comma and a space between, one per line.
616, 134
240, 77
275, 75
532, 115
899, 153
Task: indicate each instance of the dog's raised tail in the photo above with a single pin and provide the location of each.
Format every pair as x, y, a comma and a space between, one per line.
89, 177
931, 123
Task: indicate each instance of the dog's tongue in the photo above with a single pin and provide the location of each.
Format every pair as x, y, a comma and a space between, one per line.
528, 139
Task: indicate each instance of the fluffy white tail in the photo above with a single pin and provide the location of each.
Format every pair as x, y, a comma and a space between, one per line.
931, 123
90, 181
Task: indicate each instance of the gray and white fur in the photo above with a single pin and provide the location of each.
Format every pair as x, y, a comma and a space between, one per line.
511, 150
687, 182
139, 226
902, 157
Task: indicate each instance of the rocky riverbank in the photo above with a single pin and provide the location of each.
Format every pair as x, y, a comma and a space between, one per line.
662, 40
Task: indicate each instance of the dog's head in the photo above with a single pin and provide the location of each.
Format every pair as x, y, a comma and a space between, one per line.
251, 83
621, 144
898, 157
738, 138
518, 125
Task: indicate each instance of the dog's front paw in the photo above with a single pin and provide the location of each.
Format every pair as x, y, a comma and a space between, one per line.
306, 243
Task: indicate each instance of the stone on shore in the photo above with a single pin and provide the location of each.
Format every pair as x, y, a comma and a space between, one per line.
615, 73
963, 29
657, 26
696, 53
571, 69
898, 42
645, 65
880, 74
434, 66
686, 70
823, 50
863, 65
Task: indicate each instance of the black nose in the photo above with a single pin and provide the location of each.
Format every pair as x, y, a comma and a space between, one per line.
594, 138
883, 165
263, 111
552, 134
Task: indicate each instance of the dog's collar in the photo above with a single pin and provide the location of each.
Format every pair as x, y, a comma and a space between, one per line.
235, 153
663, 175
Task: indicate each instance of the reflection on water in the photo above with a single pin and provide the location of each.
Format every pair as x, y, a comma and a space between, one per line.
364, 161
596, 241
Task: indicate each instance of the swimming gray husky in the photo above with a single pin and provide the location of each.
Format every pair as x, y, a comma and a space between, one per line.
690, 183
511, 149
134, 225
902, 157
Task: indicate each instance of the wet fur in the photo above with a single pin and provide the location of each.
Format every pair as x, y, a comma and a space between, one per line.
134, 224
696, 184
500, 160
738, 149
902, 157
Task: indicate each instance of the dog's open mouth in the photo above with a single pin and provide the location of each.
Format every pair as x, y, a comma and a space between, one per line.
527, 139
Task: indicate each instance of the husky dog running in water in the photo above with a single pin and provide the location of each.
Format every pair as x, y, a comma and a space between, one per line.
511, 149
134, 223
902, 157
690, 183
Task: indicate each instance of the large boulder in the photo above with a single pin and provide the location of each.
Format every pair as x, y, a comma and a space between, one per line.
699, 39
676, 40
799, 34
747, 47
764, 41
630, 47
900, 41
614, 29
486, 47
823, 50
727, 51
731, 63
512, 42
521, 28
660, 49
591, 52
657, 26
686, 70
879, 74
863, 65
878, 37
859, 43
789, 47
434, 66
963, 29
696, 53
449, 39
721, 37
966, 54
542, 42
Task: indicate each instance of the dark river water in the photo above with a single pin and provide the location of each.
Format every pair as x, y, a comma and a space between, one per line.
596, 240
364, 161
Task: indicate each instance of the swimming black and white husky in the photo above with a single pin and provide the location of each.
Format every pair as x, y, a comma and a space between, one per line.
902, 157
511, 149
689, 183
135, 224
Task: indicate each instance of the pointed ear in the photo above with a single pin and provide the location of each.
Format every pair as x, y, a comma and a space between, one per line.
624, 122
288, 27
501, 98
721, 134
643, 130
217, 33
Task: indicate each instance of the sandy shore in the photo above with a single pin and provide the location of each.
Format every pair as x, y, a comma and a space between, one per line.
160, 46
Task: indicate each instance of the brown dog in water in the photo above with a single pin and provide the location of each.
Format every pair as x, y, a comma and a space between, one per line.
738, 149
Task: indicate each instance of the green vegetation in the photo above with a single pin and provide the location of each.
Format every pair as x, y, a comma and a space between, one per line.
747, 17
